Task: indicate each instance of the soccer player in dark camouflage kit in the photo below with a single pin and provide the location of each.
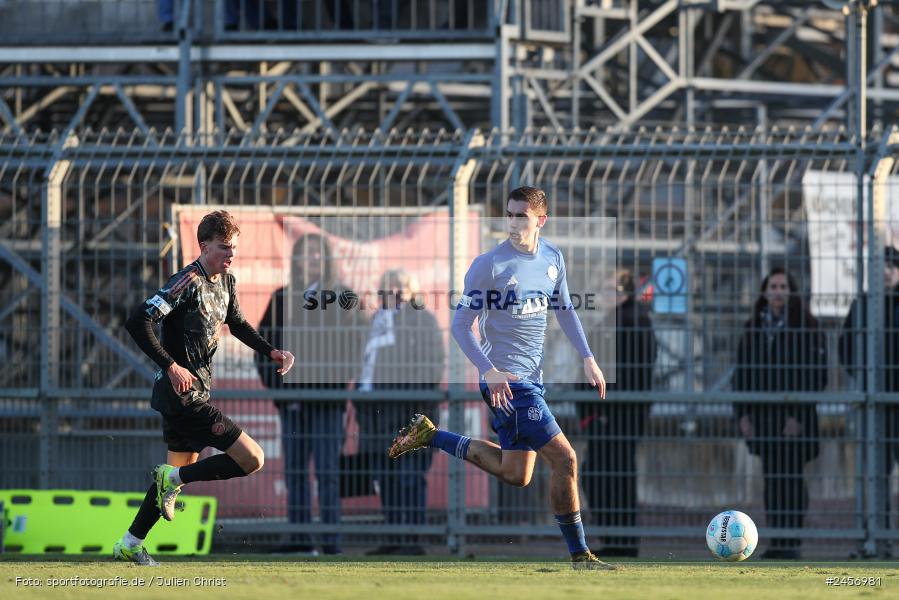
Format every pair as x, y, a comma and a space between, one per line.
192, 306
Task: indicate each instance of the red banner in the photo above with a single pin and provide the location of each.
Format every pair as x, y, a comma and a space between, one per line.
420, 245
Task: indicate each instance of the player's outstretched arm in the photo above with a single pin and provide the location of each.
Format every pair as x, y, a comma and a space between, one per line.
574, 331
283, 358
594, 375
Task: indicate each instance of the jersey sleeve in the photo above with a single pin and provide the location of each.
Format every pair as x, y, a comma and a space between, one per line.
470, 306
177, 290
239, 326
567, 316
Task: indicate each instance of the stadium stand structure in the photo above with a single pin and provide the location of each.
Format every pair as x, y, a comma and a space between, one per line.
329, 64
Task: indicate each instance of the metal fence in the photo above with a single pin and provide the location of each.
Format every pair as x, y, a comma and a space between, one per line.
92, 225
42, 22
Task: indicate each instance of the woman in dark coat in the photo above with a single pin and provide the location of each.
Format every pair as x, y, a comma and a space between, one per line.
781, 350
613, 428
320, 320
404, 351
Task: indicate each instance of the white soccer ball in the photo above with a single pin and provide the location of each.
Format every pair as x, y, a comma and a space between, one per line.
732, 536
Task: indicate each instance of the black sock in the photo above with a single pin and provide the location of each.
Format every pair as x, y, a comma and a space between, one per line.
147, 515
218, 467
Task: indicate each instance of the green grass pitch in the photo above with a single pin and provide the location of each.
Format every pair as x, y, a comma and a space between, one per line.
264, 578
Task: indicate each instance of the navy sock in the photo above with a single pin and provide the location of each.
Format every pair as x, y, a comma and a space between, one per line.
147, 515
573, 531
451, 443
214, 468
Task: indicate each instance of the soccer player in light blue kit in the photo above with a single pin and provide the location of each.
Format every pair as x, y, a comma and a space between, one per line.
510, 290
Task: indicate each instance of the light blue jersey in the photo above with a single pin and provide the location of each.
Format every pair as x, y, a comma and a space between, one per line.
511, 292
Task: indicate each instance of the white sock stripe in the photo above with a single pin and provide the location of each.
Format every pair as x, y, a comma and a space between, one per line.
573, 520
461, 446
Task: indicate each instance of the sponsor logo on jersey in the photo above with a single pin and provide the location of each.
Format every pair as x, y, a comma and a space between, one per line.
530, 307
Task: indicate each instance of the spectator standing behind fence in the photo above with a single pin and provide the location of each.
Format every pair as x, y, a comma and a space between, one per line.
328, 337
781, 350
854, 359
404, 351
614, 428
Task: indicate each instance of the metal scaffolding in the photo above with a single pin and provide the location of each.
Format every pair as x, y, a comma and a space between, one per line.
503, 64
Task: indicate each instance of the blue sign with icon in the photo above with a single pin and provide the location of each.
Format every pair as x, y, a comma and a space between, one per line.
669, 280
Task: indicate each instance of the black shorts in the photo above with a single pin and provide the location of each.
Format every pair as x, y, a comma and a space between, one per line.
197, 426
189, 422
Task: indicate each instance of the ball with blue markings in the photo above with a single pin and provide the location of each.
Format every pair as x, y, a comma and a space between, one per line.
732, 536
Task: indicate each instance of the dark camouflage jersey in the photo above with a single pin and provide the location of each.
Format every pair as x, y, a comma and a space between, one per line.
192, 309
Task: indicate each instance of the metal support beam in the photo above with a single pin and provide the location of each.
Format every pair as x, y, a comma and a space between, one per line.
132, 358
339, 106
7, 115
874, 75
454, 119
51, 323
502, 85
462, 173
776, 43
391, 116
185, 41
132, 110
79, 116
250, 53
873, 342
14, 302
628, 37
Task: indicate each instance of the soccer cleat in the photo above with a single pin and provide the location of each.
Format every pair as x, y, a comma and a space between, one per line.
587, 561
166, 491
138, 555
414, 436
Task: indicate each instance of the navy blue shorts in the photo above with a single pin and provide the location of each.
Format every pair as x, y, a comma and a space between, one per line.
532, 424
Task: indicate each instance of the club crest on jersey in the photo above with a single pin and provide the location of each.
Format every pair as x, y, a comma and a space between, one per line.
553, 272
535, 413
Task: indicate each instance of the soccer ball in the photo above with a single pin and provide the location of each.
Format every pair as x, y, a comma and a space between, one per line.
732, 536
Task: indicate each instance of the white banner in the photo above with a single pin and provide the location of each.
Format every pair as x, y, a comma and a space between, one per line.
829, 200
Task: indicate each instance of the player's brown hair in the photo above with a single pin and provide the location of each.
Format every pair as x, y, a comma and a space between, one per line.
218, 224
535, 197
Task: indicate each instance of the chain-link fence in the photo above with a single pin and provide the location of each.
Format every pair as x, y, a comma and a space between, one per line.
753, 371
